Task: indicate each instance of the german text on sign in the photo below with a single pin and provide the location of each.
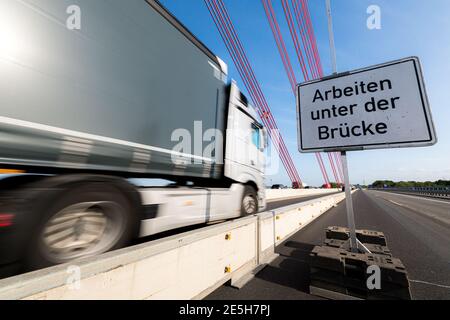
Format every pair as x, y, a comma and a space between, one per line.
383, 106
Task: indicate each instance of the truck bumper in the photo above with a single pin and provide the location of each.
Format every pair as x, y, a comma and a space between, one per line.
12, 243
11, 252
16, 233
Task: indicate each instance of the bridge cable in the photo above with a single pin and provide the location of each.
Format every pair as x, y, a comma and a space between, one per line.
271, 16
226, 29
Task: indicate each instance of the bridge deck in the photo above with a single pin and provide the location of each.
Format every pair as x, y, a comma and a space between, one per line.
419, 237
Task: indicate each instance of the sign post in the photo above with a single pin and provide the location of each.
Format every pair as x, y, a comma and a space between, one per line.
383, 106
348, 193
349, 204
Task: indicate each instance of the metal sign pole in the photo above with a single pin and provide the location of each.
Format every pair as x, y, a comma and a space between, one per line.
349, 204
348, 190
331, 37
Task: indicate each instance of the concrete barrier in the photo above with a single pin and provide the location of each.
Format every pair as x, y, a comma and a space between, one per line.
185, 266
283, 194
290, 219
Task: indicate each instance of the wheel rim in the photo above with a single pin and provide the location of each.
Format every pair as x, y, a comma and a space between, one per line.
249, 204
82, 229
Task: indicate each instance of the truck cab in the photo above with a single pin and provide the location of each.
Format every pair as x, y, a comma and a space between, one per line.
246, 140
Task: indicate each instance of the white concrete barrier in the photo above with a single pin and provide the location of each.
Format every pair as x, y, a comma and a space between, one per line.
289, 220
282, 194
185, 266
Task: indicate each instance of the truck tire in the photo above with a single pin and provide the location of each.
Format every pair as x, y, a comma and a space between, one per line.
80, 220
249, 204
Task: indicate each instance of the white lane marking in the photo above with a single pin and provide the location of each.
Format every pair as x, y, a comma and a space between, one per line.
430, 283
399, 204
414, 209
419, 198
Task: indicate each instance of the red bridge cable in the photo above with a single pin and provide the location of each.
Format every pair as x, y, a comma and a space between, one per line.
310, 32
283, 146
312, 62
319, 157
333, 168
294, 36
308, 43
225, 33
339, 165
259, 91
322, 168
282, 49
285, 58
305, 40
313, 44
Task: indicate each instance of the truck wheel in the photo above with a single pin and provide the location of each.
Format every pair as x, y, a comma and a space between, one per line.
80, 221
249, 204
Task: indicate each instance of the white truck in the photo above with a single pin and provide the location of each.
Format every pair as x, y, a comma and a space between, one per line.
124, 92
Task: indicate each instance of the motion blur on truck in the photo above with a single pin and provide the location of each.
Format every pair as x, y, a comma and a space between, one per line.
87, 110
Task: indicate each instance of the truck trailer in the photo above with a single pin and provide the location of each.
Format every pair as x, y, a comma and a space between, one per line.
96, 93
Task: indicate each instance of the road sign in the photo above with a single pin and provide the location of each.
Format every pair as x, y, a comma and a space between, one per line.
383, 106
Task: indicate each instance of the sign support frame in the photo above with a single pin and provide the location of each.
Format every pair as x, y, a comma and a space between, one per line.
353, 243
349, 203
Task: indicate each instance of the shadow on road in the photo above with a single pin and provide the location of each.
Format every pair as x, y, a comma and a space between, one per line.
291, 268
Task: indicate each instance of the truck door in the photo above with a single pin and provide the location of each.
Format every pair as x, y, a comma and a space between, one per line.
245, 141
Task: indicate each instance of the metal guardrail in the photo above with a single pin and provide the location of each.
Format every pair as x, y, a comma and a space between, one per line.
433, 192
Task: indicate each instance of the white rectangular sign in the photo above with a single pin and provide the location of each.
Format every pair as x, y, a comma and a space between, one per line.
383, 106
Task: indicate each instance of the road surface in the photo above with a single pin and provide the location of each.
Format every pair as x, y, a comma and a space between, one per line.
417, 230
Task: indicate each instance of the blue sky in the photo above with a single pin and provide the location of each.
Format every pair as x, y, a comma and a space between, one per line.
409, 27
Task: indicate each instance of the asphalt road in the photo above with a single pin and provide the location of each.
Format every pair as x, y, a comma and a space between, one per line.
417, 230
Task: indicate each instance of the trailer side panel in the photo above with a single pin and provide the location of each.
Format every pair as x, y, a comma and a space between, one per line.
109, 96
